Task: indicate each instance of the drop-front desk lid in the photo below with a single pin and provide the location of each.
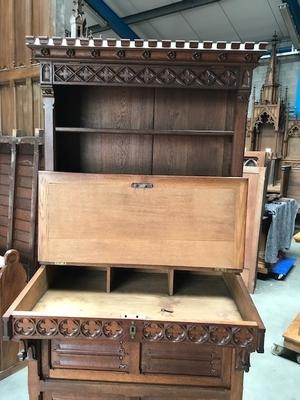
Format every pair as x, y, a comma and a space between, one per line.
159, 221
98, 223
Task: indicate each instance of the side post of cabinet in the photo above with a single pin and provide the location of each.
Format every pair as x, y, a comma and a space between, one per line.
48, 104
241, 106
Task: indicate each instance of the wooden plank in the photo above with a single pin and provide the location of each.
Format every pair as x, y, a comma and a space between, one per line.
3, 231
24, 204
23, 193
3, 220
30, 294
22, 215
136, 378
22, 236
4, 200
25, 171
118, 391
183, 222
292, 335
20, 73
3, 210
4, 168
23, 182
255, 201
4, 180
244, 302
241, 106
4, 190
22, 225
184, 132
33, 207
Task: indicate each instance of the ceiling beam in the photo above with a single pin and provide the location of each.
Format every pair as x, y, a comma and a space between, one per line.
294, 8
114, 22
155, 12
290, 12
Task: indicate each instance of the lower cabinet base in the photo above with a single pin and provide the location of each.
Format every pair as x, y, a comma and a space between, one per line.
76, 390
72, 389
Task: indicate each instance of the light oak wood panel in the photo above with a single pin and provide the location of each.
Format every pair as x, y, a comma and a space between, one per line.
256, 195
292, 335
6, 34
102, 219
8, 111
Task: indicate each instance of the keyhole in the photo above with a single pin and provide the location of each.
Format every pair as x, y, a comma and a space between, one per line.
132, 331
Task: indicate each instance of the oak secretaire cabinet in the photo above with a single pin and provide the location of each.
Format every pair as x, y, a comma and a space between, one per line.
139, 293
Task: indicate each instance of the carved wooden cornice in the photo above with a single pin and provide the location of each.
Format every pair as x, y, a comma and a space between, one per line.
151, 63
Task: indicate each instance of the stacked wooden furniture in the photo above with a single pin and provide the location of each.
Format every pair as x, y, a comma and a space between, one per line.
12, 281
20, 159
292, 337
139, 293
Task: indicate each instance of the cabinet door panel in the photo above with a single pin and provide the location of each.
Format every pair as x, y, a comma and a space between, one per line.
181, 359
81, 354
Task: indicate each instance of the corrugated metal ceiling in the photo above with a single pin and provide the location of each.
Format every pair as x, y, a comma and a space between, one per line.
225, 19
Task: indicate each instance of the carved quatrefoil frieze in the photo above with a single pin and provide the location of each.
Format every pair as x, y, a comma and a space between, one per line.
140, 75
221, 335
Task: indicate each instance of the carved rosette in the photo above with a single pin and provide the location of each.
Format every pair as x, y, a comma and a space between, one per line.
153, 331
69, 327
175, 333
91, 328
47, 327
112, 329
220, 335
24, 326
242, 336
177, 76
198, 334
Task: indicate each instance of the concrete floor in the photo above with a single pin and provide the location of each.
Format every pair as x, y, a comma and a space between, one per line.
270, 377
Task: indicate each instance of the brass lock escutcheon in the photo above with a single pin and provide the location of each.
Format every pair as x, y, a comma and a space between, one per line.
132, 330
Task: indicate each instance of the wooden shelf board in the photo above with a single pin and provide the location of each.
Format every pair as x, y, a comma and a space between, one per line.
191, 132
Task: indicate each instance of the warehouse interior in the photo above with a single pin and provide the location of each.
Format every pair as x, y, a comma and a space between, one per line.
149, 199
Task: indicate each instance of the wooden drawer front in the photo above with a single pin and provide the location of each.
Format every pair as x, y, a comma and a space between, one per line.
80, 390
83, 354
181, 359
78, 396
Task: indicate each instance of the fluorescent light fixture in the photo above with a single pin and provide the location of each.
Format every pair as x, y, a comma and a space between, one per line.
288, 20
